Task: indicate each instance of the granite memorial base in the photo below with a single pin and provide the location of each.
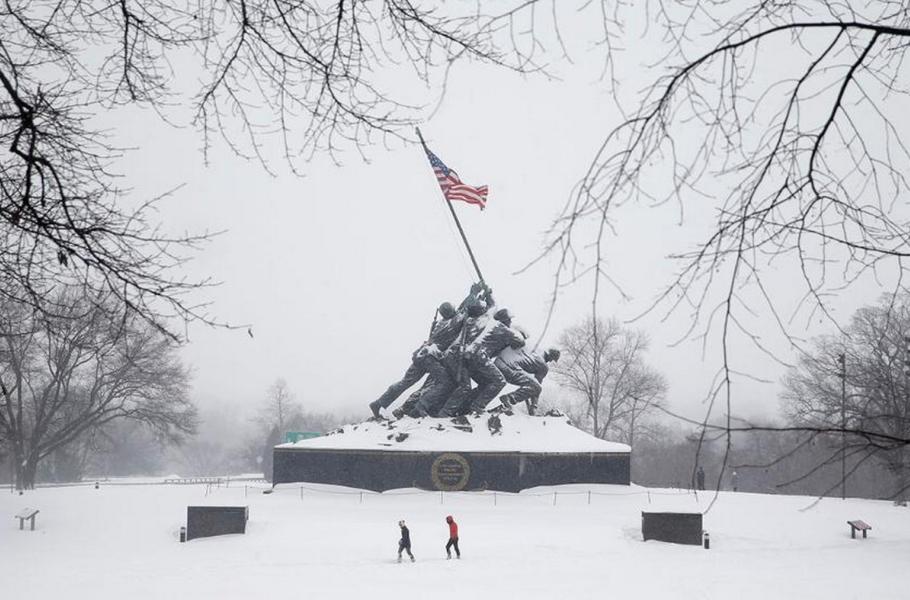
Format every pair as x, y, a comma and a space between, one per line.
675, 527
380, 470
206, 521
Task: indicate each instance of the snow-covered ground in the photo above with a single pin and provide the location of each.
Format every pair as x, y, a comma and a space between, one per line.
515, 433
326, 542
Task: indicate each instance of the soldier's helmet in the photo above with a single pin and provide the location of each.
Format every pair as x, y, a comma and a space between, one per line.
477, 308
446, 310
552, 354
503, 316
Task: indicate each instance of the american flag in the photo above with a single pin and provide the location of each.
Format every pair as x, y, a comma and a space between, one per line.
453, 188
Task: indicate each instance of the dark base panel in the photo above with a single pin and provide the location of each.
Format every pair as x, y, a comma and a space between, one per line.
679, 528
205, 521
379, 470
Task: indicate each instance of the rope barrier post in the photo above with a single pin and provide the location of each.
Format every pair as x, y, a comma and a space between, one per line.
361, 497
589, 496
649, 496
246, 490
301, 492
494, 498
440, 496
554, 498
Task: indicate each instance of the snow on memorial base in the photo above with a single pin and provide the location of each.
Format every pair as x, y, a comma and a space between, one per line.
505, 453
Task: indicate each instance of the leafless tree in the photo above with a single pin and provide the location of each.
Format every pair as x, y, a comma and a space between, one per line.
805, 155
786, 119
310, 75
280, 409
603, 365
61, 377
860, 381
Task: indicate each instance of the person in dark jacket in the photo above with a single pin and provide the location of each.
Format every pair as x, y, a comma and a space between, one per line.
453, 538
527, 370
404, 544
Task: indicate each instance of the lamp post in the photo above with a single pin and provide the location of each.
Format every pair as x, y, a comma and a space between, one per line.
842, 359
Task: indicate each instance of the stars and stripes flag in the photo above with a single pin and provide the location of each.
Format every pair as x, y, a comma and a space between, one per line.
452, 187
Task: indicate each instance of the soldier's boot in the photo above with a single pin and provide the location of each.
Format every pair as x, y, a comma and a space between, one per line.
374, 407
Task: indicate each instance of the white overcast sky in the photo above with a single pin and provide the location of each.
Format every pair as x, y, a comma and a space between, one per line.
339, 272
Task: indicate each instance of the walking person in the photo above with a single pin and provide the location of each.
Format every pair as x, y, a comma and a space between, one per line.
404, 544
453, 538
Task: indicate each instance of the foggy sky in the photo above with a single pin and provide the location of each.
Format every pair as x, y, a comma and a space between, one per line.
338, 272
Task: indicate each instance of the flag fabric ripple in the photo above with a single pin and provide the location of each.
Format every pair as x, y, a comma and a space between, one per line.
453, 188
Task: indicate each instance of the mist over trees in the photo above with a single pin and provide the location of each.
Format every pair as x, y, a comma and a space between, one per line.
806, 163
801, 155
854, 388
770, 461
65, 377
604, 371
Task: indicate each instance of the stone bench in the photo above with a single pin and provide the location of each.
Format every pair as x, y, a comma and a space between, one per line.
858, 525
27, 514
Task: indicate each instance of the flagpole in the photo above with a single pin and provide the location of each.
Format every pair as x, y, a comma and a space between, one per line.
454, 216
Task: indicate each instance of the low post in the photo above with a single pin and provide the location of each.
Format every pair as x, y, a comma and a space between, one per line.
589, 496
554, 498
182, 534
361, 497
707, 541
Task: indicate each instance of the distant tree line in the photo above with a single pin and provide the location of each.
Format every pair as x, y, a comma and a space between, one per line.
214, 441
767, 462
844, 427
65, 378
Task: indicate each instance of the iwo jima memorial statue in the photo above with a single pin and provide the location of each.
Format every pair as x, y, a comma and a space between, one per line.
443, 436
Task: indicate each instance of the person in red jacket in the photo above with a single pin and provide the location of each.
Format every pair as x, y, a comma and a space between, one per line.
453, 538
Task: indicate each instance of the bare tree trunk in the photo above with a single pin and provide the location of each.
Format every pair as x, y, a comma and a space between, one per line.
26, 469
900, 467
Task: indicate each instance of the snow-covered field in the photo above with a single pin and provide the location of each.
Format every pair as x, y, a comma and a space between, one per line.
121, 542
